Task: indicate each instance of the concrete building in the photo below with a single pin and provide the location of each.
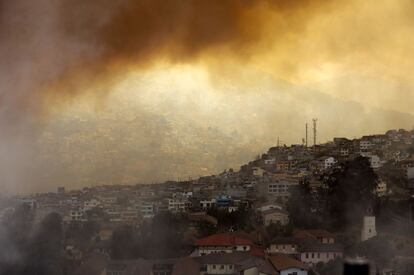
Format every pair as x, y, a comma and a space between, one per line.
286, 245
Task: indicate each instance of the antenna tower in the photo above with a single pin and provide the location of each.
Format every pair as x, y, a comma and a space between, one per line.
315, 120
306, 135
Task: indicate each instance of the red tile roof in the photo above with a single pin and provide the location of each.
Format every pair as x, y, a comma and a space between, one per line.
224, 239
282, 262
257, 251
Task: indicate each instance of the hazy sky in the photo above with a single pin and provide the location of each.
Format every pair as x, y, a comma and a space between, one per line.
96, 92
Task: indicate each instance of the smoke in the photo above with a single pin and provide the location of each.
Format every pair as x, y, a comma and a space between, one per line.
52, 50
57, 53
129, 35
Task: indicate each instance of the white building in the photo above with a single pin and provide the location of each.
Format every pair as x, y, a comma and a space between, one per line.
368, 228
329, 162
178, 205
375, 162
207, 203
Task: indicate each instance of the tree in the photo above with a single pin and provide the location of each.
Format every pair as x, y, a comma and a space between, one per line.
277, 230
332, 267
43, 253
241, 219
162, 238
377, 249
206, 228
302, 207
349, 193
123, 243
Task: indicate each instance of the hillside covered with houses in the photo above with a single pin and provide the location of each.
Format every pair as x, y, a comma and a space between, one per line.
294, 210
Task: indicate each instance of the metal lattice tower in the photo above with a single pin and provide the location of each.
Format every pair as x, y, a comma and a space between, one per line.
315, 120
306, 134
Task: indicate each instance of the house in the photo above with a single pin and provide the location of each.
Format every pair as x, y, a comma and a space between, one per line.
283, 245
227, 243
286, 265
312, 251
275, 216
238, 263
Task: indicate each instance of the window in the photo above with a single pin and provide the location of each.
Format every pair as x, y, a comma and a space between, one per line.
214, 266
306, 255
222, 267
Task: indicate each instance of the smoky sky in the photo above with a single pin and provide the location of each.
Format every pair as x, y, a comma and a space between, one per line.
325, 58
